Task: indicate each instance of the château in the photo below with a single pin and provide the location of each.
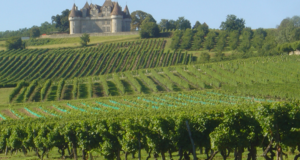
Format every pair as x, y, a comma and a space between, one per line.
92, 18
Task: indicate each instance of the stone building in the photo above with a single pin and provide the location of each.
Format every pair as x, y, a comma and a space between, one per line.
96, 19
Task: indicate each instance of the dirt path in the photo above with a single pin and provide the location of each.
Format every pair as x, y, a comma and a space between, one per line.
26, 113
41, 112
57, 110
9, 114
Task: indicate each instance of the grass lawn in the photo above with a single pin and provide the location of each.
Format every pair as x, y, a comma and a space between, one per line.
75, 42
2, 43
4, 94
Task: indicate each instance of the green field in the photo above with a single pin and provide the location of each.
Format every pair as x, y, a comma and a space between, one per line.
123, 94
4, 94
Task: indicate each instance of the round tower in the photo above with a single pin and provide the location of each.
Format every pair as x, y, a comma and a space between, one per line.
74, 19
126, 20
117, 17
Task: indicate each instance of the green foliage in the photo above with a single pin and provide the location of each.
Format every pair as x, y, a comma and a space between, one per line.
203, 27
84, 39
75, 88
219, 56
137, 18
198, 40
182, 23
35, 32
187, 38
46, 28
30, 89
197, 24
149, 29
60, 87
16, 91
223, 128
163, 24
234, 39
246, 40
222, 39
14, 43
259, 37
210, 40
204, 57
233, 23
285, 48
149, 18
288, 30
45, 88
176, 39
296, 45
61, 21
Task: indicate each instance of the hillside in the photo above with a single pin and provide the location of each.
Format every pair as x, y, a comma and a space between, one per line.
255, 76
16, 65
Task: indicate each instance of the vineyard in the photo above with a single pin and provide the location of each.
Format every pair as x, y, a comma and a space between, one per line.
232, 76
16, 65
127, 98
116, 127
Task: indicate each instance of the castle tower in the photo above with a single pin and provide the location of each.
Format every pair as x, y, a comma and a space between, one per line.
126, 20
117, 17
74, 19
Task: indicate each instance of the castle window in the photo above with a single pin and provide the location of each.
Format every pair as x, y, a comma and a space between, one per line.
108, 22
108, 29
103, 22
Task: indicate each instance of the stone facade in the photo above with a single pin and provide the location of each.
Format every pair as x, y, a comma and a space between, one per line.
92, 18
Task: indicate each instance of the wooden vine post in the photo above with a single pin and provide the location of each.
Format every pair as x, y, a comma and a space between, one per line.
193, 145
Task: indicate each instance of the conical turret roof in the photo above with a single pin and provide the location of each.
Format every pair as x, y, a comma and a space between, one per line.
116, 10
87, 6
108, 3
73, 12
126, 9
126, 12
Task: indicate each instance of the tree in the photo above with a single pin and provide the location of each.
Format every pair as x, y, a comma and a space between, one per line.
204, 27
182, 23
234, 39
210, 40
288, 30
221, 44
84, 39
204, 57
47, 27
259, 37
137, 18
172, 25
197, 24
187, 39
14, 43
219, 56
62, 21
247, 34
175, 44
163, 24
198, 40
233, 23
149, 18
35, 32
149, 28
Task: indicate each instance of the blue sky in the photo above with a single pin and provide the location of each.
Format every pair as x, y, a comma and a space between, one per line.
17, 14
